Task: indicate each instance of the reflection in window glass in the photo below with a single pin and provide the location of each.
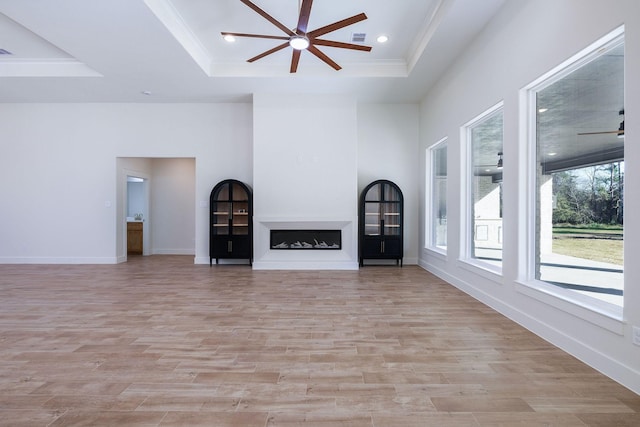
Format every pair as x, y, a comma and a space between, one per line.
485, 136
438, 220
580, 177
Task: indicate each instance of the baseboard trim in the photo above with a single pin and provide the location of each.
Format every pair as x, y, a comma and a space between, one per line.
58, 260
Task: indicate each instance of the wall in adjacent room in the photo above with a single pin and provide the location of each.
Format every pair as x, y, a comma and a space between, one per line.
173, 206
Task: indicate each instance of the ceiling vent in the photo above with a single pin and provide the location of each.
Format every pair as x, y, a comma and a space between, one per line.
5, 52
358, 37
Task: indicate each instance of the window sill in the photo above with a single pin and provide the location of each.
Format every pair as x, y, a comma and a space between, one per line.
486, 270
600, 313
438, 253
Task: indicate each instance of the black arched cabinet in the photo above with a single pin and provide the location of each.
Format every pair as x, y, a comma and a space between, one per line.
381, 222
231, 219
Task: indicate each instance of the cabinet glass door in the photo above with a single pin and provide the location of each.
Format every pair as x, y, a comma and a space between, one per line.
221, 212
223, 194
390, 194
372, 219
240, 211
374, 194
382, 211
391, 217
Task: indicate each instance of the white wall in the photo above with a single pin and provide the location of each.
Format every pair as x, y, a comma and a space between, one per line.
58, 163
64, 167
305, 155
305, 176
388, 136
527, 39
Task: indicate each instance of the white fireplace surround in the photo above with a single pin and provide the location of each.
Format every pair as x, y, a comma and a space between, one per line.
305, 177
266, 258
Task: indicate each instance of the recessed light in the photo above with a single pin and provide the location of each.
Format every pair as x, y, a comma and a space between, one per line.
542, 110
552, 154
382, 39
229, 38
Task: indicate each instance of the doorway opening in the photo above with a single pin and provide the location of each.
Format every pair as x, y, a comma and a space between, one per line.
137, 210
158, 196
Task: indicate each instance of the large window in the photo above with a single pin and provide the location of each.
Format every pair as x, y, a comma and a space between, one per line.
437, 223
579, 157
484, 196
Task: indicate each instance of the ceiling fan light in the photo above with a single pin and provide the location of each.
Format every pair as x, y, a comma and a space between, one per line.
299, 42
229, 38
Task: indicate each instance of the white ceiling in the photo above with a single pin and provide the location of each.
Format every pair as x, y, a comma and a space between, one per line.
114, 50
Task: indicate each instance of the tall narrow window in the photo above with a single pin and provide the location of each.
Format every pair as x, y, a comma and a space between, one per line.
580, 175
438, 195
484, 135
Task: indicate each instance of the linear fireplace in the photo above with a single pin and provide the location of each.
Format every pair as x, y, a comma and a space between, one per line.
300, 256
306, 239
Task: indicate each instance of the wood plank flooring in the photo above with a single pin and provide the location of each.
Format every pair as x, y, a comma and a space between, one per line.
159, 341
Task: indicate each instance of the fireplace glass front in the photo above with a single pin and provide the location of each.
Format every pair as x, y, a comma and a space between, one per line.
306, 239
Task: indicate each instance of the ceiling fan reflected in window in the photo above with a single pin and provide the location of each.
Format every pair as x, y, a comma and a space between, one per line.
300, 39
619, 132
492, 167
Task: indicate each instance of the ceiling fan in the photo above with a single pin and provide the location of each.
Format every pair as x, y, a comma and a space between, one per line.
619, 132
497, 165
300, 39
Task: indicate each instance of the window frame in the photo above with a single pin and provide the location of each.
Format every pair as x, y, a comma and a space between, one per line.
431, 218
468, 223
602, 313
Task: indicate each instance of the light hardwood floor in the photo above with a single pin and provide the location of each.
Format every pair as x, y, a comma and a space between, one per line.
159, 341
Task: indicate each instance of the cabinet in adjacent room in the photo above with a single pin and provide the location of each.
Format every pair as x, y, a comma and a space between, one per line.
231, 221
381, 222
134, 238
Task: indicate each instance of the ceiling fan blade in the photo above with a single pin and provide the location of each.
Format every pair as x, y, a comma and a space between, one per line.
324, 57
268, 17
337, 25
303, 20
268, 52
258, 36
295, 59
331, 43
619, 132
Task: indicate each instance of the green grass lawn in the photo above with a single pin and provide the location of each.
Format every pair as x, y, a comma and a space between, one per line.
614, 230
604, 246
